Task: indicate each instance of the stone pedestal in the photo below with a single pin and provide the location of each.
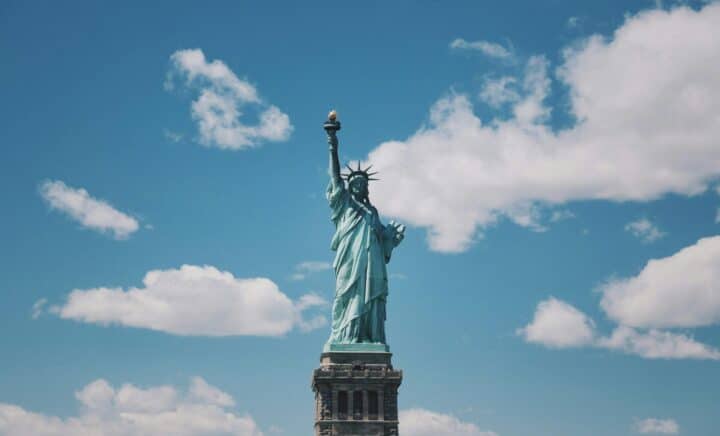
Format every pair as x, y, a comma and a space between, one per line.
356, 394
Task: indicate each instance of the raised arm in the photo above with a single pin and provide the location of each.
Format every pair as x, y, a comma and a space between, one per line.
331, 127
334, 160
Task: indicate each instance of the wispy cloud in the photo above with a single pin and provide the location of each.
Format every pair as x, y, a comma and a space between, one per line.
172, 136
217, 108
37, 308
90, 212
499, 91
657, 426
303, 269
561, 215
196, 301
490, 49
645, 230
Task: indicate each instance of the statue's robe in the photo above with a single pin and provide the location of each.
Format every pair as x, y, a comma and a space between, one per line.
363, 247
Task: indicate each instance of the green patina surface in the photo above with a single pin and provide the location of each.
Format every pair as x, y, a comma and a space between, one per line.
363, 247
356, 348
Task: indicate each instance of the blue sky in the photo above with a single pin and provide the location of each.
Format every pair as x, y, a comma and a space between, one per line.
557, 166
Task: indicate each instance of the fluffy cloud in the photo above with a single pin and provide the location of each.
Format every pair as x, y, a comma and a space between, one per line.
682, 290
90, 212
646, 102
657, 426
421, 422
203, 410
557, 324
487, 48
678, 291
656, 344
303, 269
645, 230
195, 300
217, 108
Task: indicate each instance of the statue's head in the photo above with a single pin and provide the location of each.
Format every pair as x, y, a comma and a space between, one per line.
358, 180
358, 186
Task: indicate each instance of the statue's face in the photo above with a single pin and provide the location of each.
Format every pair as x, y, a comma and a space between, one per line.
359, 187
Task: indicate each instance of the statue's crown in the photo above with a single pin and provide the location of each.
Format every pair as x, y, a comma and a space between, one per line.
359, 172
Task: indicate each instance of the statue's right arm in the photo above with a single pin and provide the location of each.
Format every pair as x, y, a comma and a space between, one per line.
334, 162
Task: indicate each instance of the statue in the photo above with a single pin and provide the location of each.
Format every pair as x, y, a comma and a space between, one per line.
363, 246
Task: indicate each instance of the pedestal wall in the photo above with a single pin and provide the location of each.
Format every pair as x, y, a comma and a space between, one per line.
356, 394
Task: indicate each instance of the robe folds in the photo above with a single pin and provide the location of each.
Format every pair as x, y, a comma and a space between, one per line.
363, 247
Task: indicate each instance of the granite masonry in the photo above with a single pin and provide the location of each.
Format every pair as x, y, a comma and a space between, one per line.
356, 394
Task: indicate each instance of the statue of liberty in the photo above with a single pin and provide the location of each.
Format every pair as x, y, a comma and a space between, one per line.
363, 246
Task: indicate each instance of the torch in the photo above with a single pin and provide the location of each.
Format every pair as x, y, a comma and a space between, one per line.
331, 126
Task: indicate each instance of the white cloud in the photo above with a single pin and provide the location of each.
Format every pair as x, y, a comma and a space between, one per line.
303, 269
646, 101
204, 392
557, 324
195, 300
133, 411
90, 212
37, 308
561, 215
313, 266
657, 426
645, 230
682, 290
490, 49
656, 344
421, 422
573, 22
500, 91
305, 302
217, 108
172, 136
